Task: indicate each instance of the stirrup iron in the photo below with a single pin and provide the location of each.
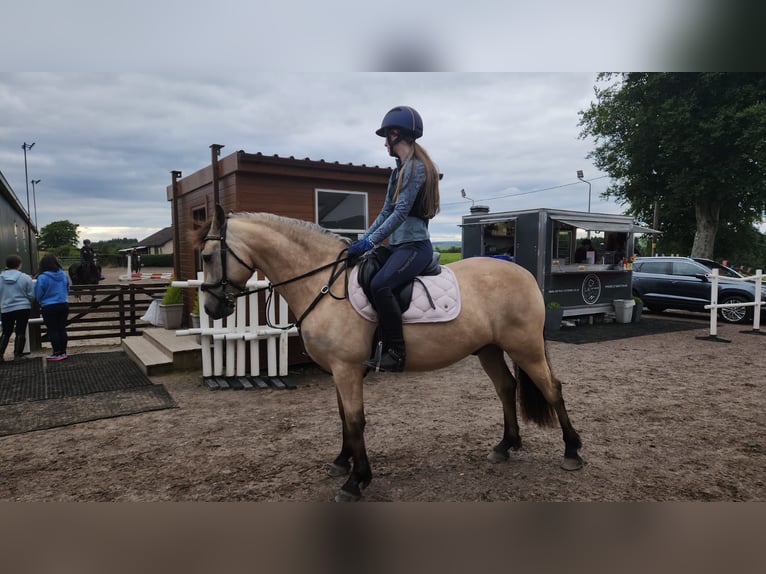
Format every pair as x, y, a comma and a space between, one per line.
374, 362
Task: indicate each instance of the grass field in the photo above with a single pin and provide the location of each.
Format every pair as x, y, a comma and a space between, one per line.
449, 258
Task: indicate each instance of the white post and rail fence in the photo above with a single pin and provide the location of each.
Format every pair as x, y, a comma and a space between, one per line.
714, 305
227, 343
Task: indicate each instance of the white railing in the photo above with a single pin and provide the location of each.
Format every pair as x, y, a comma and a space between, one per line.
142, 276
225, 343
715, 305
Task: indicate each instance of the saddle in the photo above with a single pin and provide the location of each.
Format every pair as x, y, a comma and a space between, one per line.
432, 297
371, 263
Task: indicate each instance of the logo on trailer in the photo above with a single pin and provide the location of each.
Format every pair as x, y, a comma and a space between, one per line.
591, 288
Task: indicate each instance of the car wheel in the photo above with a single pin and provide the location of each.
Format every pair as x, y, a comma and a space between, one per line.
734, 314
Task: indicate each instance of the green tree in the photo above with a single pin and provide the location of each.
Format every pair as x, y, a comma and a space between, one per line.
112, 246
58, 234
691, 145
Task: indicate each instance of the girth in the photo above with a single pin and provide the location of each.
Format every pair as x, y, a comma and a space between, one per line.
371, 263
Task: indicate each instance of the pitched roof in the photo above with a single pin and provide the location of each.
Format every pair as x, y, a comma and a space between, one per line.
158, 239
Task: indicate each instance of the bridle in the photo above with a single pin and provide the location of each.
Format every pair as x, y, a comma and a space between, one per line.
225, 295
222, 292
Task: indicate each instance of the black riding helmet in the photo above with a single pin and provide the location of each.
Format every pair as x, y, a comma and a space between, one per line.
406, 119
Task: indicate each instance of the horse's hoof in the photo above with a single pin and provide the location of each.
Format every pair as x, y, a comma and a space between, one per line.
573, 463
335, 470
344, 496
496, 457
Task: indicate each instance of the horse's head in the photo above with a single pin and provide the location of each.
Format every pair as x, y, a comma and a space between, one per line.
224, 273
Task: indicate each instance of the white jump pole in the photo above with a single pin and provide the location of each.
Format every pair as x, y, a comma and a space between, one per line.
205, 340
271, 344
218, 348
255, 355
283, 318
758, 303
713, 304
241, 344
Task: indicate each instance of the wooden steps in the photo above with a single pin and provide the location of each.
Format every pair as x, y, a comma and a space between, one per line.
160, 351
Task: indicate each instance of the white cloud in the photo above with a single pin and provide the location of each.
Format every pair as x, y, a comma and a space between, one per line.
106, 143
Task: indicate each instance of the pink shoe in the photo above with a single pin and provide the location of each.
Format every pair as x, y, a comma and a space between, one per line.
59, 357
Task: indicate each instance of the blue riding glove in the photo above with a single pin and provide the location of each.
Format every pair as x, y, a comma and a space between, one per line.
359, 247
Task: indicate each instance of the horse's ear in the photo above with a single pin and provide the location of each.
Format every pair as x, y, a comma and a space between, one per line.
220, 217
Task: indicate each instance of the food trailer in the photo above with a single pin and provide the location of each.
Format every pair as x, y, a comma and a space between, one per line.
549, 243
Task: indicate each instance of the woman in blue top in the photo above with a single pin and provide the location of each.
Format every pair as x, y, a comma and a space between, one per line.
52, 292
412, 199
17, 292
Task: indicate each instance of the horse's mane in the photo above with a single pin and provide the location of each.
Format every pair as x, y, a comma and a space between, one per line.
296, 227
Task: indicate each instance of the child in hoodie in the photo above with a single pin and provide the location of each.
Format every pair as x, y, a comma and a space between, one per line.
17, 292
52, 292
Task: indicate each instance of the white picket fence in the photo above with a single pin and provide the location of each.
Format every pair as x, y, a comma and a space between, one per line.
226, 343
715, 305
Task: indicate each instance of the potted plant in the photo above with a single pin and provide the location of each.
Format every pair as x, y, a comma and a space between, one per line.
195, 313
172, 307
553, 316
638, 308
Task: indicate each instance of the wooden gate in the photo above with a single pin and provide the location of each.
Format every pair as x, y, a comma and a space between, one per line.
107, 311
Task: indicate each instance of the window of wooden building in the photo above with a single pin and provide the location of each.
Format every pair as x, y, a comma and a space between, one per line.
342, 212
199, 217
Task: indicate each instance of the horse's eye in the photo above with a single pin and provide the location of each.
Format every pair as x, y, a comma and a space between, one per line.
207, 258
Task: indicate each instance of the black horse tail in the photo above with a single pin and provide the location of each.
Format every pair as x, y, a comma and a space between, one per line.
534, 407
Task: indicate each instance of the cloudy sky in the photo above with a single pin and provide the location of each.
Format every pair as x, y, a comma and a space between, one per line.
188, 74
105, 143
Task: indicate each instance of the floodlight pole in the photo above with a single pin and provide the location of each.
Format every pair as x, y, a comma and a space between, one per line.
25, 146
580, 177
34, 200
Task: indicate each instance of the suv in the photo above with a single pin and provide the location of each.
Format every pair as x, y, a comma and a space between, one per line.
684, 283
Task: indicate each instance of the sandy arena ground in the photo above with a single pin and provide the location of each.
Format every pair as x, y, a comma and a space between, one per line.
662, 418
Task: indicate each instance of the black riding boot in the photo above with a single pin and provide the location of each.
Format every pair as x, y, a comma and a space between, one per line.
18, 346
392, 356
3, 345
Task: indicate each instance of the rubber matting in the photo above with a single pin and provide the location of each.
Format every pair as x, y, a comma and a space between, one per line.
596, 333
35, 379
36, 394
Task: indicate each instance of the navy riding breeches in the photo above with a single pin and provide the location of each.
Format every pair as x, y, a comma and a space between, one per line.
407, 260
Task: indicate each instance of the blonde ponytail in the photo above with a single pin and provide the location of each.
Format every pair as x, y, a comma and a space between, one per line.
430, 196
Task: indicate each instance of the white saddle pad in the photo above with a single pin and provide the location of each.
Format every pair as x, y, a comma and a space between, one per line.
444, 293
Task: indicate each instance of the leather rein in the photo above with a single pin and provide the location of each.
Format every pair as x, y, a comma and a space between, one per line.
338, 268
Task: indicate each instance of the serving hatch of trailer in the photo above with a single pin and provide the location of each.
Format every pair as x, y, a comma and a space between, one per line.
584, 279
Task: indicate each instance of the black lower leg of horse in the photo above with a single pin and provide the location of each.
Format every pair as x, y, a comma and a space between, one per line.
342, 463
361, 474
572, 442
493, 363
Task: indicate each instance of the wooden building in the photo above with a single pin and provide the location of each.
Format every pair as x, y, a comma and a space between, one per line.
17, 233
341, 197
344, 198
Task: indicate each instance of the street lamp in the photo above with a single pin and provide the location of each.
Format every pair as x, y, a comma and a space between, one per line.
580, 177
34, 199
25, 146
462, 192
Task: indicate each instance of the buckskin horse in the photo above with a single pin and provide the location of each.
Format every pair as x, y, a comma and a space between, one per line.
502, 311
